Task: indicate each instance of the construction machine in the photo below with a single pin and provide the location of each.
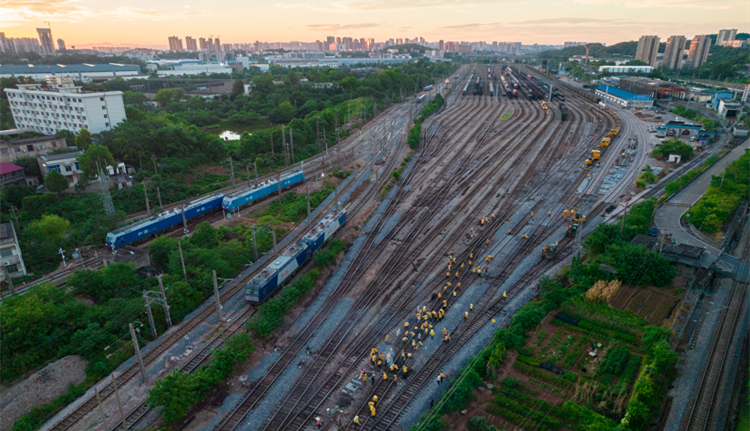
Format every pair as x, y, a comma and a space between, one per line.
605, 142
549, 250
575, 221
614, 132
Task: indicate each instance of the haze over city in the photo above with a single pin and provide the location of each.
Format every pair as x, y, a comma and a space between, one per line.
142, 23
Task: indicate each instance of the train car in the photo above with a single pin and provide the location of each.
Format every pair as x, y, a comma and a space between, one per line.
481, 89
421, 98
492, 90
236, 200
428, 88
260, 287
544, 105
145, 228
468, 84
515, 93
325, 229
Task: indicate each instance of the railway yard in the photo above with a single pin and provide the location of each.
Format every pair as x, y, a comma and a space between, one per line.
445, 242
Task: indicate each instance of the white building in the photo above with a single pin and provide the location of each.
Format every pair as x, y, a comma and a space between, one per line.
626, 69
64, 163
10, 253
96, 72
60, 105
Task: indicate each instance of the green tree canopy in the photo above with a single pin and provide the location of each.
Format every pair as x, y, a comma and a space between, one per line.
56, 182
83, 139
93, 155
164, 96
51, 226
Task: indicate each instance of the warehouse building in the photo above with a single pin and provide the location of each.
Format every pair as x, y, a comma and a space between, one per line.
653, 88
60, 105
623, 98
626, 69
80, 72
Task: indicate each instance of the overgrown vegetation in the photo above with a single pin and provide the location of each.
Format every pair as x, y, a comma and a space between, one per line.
723, 197
675, 146
708, 123
415, 133
673, 187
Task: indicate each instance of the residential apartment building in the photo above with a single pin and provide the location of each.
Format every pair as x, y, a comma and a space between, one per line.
699, 47
61, 45
11, 174
726, 36
60, 105
648, 48
11, 258
673, 52
191, 44
175, 44
64, 163
11, 151
48, 44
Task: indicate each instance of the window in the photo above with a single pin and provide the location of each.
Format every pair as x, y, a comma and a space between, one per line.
105, 115
102, 99
12, 268
104, 107
68, 169
106, 124
4, 151
80, 100
30, 148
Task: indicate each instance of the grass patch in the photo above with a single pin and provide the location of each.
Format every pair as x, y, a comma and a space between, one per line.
506, 116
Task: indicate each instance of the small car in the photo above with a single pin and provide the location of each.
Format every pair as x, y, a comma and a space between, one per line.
654, 231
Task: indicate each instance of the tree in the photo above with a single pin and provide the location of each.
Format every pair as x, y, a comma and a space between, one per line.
175, 392
95, 154
164, 96
13, 194
238, 88
70, 137
83, 140
349, 83
30, 166
287, 111
56, 182
51, 226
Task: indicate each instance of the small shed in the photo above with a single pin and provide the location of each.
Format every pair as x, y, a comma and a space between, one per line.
674, 158
122, 181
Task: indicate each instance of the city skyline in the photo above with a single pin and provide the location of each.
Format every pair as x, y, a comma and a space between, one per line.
543, 22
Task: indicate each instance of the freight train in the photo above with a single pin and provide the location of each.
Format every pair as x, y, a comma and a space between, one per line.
468, 83
150, 226
428, 88
260, 287
564, 112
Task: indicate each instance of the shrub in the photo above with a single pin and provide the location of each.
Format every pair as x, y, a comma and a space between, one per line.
673, 146
615, 361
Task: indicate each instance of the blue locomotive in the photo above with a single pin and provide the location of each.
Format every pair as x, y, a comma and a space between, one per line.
260, 287
145, 228
236, 200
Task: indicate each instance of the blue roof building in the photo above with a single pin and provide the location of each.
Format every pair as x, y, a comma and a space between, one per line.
75, 71
720, 95
626, 99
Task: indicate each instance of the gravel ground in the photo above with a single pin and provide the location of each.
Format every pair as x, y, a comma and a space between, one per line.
330, 286
389, 224
254, 420
693, 361
421, 402
40, 388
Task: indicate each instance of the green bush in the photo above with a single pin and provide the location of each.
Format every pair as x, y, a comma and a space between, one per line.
615, 361
673, 146
479, 423
562, 381
528, 360
586, 419
723, 197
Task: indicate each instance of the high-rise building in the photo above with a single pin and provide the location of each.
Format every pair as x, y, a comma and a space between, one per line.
648, 47
569, 44
441, 45
217, 45
726, 36
673, 52
45, 38
4, 47
190, 44
61, 45
699, 47
175, 44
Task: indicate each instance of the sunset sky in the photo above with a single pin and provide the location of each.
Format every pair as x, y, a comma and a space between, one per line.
149, 23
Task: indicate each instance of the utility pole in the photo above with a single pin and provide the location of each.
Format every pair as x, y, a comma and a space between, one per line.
184, 221
145, 193
158, 193
337, 127
307, 189
273, 156
247, 169
291, 141
622, 226
101, 410
231, 169
150, 314
326, 141
119, 402
164, 302
138, 353
255, 245
279, 184
255, 164
283, 145
182, 259
216, 297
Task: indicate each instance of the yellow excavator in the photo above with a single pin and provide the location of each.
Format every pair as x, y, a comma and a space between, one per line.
596, 155
573, 226
549, 250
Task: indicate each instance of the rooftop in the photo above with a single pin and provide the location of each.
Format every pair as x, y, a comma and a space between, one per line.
61, 156
67, 68
6, 168
6, 231
622, 94
36, 139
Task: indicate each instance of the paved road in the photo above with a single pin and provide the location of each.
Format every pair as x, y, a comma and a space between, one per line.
667, 217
